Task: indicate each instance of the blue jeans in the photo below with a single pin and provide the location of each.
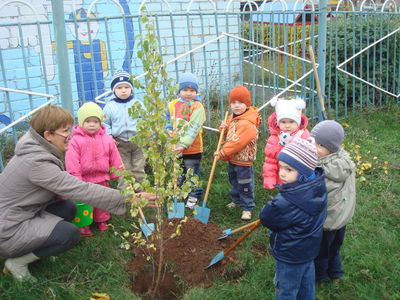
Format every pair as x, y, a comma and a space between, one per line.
294, 281
242, 181
190, 163
328, 263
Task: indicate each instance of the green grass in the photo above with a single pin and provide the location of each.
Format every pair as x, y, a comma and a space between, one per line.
370, 252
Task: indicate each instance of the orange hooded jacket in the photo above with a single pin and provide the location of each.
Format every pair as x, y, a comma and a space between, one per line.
240, 145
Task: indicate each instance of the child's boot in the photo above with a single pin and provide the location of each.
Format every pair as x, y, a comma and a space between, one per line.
85, 231
246, 215
18, 267
102, 226
231, 205
191, 202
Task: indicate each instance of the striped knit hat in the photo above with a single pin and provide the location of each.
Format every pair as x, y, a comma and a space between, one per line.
301, 155
121, 77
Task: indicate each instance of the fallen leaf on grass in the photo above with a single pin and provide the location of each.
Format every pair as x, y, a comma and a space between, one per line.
100, 296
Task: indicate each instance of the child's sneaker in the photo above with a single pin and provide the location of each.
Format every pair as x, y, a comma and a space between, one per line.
246, 215
191, 202
85, 231
102, 226
231, 205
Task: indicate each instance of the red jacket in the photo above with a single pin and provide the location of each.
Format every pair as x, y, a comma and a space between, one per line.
240, 146
270, 167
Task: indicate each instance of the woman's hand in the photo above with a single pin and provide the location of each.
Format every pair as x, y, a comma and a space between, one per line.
151, 198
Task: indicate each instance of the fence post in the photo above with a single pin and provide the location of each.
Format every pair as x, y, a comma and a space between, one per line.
62, 55
323, 9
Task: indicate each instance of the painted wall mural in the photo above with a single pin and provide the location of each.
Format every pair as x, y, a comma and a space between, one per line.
100, 41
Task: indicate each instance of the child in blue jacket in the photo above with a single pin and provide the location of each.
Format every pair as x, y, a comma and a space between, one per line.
296, 217
121, 126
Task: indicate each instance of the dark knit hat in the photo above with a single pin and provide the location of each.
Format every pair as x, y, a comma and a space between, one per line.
188, 81
329, 134
120, 77
301, 155
240, 93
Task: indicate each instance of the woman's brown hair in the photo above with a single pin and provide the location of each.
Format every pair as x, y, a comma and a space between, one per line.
50, 118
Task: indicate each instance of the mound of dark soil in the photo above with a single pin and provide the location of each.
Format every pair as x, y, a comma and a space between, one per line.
185, 259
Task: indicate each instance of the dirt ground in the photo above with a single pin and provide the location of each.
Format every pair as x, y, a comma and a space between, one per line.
185, 257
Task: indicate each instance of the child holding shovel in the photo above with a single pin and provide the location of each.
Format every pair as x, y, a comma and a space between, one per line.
240, 148
91, 154
341, 185
285, 123
188, 113
296, 217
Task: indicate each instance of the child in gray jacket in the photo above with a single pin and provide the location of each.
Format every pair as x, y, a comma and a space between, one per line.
340, 183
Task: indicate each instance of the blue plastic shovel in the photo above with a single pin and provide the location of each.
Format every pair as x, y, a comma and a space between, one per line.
147, 228
221, 255
177, 210
202, 212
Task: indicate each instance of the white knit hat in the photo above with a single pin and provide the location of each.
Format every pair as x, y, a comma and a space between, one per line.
290, 109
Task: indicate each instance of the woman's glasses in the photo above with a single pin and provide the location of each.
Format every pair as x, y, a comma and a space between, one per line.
66, 137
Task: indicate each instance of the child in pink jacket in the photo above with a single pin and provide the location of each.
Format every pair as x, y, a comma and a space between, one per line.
285, 123
91, 154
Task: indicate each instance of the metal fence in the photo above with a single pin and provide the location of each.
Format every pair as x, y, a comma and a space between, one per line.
264, 47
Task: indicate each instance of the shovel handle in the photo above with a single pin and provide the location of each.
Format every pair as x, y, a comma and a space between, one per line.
174, 132
317, 82
141, 214
233, 246
244, 226
139, 208
214, 162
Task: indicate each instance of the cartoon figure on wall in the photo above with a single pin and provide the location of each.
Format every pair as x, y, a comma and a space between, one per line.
131, 40
125, 40
90, 56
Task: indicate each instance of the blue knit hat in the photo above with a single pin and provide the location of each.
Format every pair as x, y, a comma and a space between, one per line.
121, 77
301, 155
188, 80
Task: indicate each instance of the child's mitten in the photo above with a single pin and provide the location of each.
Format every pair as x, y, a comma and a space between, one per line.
284, 138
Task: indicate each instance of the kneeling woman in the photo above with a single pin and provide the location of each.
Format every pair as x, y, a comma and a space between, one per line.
37, 195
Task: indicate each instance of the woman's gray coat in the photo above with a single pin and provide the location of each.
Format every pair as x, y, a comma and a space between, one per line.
31, 181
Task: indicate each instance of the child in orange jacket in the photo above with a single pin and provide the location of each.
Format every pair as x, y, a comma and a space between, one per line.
285, 123
240, 148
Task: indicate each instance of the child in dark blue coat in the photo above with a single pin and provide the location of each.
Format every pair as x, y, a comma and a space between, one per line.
296, 217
